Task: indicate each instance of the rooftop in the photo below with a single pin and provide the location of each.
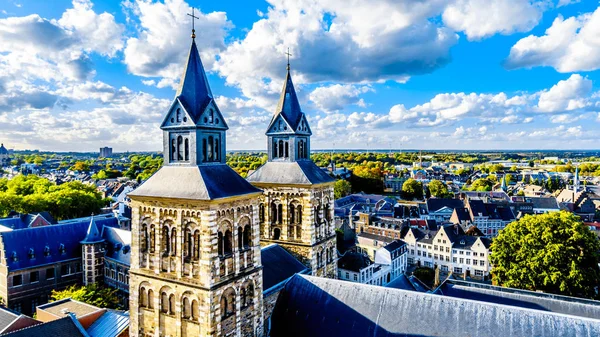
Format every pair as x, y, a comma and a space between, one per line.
66, 306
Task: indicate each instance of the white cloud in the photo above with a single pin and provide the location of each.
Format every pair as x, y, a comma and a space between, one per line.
562, 3
569, 94
158, 50
337, 96
569, 45
509, 16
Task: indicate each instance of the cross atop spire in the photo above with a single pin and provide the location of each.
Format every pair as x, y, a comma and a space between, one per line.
288, 58
193, 28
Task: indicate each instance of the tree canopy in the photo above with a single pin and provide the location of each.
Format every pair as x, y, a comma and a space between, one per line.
94, 294
341, 188
553, 252
482, 184
31, 193
412, 189
438, 189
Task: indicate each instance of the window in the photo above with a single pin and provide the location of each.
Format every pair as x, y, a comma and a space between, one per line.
474, 262
64, 270
355, 277
447, 249
479, 273
468, 261
435, 247
34, 276
468, 253
347, 275
461, 260
17, 280
49, 273
435, 256
482, 262
458, 270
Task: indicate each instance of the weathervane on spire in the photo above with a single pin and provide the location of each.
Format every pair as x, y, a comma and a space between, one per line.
193, 28
288, 57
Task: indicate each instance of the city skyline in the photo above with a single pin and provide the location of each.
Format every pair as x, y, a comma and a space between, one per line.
82, 75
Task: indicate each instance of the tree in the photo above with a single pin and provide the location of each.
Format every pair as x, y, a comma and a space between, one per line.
482, 185
94, 294
80, 166
438, 189
553, 252
341, 188
412, 189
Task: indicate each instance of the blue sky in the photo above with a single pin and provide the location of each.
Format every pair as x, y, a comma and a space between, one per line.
432, 74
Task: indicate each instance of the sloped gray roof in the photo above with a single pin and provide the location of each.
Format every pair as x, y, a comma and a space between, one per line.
205, 182
64, 327
93, 234
278, 266
119, 244
302, 172
6, 318
311, 306
111, 324
288, 106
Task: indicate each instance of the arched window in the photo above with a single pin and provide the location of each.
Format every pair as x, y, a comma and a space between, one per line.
173, 150
287, 149
220, 244
216, 156
204, 150
305, 150
172, 304
173, 247
143, 298
300, 147
224, 313
228, 242
187, 308
276, 233
165, 243
228, 303
292, 214
243, 297
326, 211
280, 213
150, 299
195, 310
187, 243
179, 148
280, 148
261, 212
299, 214
152, 238
144, 238
211, 116
178, 114
164, 302
187, 149
273, 212
247, 236
210, 148
196, 244
240, 238
275, 149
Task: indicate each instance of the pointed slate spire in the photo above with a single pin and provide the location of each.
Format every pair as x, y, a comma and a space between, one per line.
93, 233
576, 180
194, 91
288, 106
504, 186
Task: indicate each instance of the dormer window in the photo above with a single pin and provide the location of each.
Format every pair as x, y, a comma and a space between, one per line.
14, 257
61, 249
46, 251
31, 253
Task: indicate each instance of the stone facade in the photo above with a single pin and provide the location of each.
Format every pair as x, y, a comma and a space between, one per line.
300, 219
195, 268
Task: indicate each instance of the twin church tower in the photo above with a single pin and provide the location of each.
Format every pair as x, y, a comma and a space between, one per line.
198, 226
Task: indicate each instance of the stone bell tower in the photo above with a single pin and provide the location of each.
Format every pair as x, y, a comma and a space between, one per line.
296, 209
195, 262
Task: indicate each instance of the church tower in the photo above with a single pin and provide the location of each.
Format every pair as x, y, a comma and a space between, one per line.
296, 208
195, 261
92, 254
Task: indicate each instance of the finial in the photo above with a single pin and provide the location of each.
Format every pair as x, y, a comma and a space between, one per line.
193, 28
288, 58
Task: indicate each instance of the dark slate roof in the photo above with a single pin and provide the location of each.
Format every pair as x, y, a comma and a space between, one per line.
462, 214
6, 318
68, 234
119, 244
302, 172
16, 220
401, 282
506, 213
434, 204
3, 150
111, 324
394, 245
521, 298
205, 182
93, 234
312, 306
354, 261
477, 207
288, 106
194, 92
64, 327
543, 202
278, 266
375, 237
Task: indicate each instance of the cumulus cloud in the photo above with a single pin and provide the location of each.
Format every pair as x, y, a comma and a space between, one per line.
509, 16
164, 28
569, 45
337, 96
566, 95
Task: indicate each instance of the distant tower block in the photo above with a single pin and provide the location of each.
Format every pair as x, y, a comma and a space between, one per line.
105, 152
195, 259
296, 209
